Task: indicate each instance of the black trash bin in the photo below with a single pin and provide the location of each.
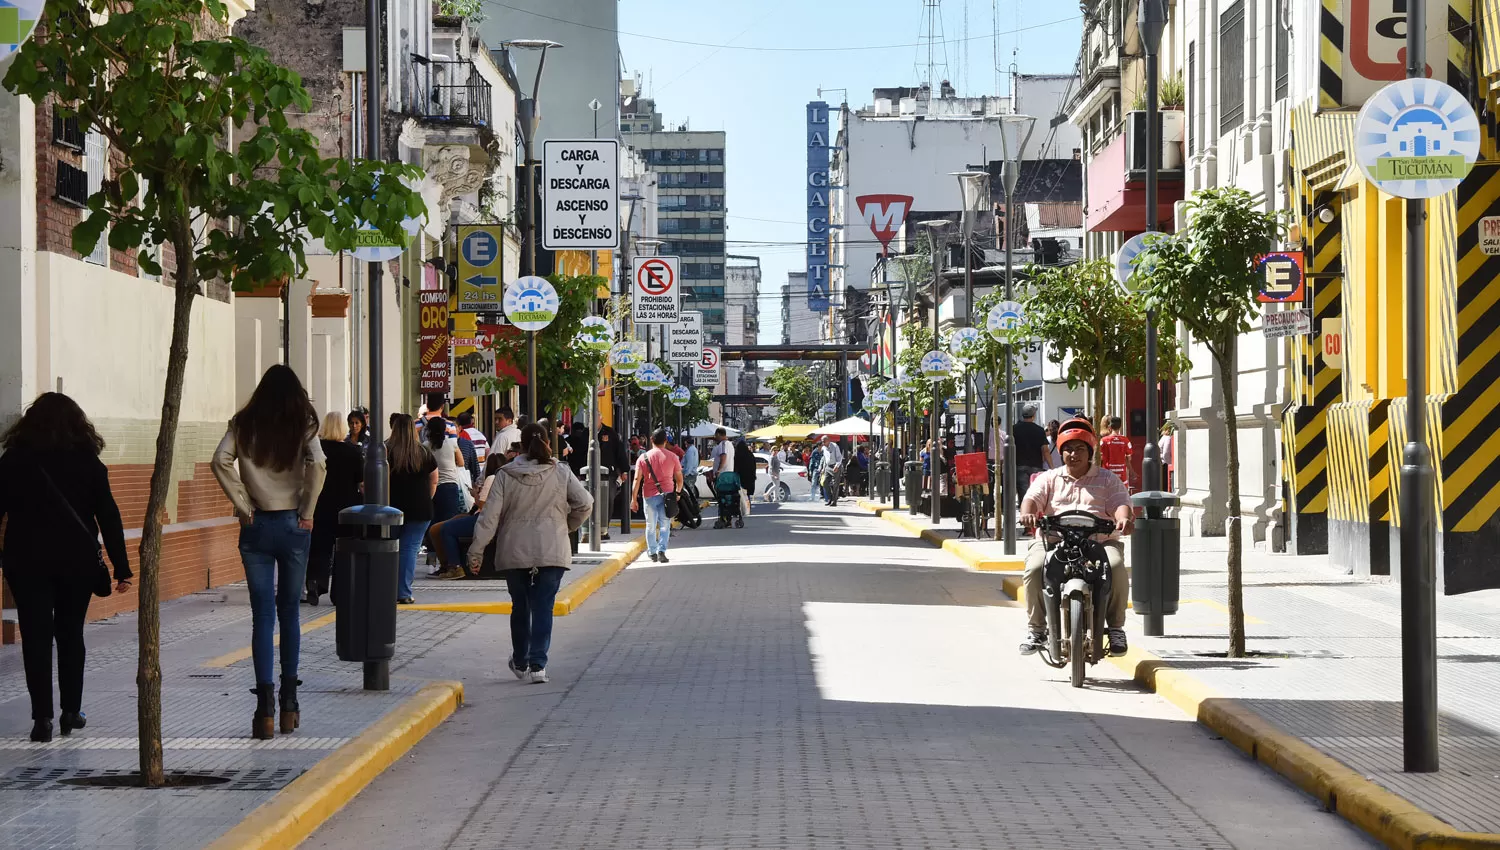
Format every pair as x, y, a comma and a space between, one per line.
913, 484
1155, 559
366, 573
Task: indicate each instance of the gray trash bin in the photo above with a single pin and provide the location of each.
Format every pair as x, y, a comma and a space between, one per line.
1155, 559
366, 573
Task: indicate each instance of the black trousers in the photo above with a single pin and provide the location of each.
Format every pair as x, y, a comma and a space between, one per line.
51, 608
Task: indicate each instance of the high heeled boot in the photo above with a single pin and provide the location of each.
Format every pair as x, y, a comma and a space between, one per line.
263, 726
291, 712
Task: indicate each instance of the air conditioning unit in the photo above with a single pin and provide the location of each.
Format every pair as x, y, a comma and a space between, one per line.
1170, 122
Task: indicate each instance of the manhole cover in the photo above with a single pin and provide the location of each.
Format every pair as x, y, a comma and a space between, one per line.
56, 778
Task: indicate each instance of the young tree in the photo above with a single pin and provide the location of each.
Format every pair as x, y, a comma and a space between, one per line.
155, 78
1206, 278
565, 370
795, 396
1088, 323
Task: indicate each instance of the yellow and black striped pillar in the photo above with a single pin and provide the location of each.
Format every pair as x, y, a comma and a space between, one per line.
1359, 514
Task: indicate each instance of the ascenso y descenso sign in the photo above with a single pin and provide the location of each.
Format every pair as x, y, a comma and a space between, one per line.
581, 194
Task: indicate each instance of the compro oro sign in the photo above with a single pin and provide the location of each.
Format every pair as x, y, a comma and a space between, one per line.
706, 372
656, 297
581, 185
1416, 138
685, 339
530, 303
937, 365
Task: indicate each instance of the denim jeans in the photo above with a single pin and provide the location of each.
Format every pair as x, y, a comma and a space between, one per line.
658, 526
274, 550
453, 531
531, 598
411, 542
447, 502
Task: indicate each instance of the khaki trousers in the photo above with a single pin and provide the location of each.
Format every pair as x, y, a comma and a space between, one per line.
1119, 585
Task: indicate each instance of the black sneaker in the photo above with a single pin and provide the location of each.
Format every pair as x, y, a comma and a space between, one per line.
661, 557
739, 522
1033, 643
653, 557
1117, 644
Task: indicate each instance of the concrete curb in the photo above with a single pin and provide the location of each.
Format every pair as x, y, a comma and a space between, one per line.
569, 599
967, 551
1388, 817
308, 801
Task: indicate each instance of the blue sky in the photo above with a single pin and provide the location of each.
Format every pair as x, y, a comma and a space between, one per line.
758, 96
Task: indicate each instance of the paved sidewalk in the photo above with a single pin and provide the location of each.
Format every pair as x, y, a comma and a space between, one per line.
207, 674
1327, 669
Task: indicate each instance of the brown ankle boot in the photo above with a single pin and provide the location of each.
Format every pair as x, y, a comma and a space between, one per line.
263, 726
291, 712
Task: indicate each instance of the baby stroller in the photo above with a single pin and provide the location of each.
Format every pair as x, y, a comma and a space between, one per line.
727, 489
689, 514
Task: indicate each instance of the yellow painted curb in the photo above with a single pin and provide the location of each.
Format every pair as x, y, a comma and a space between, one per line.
966, 550
1388, 817
312, 798
568, 599
875, 508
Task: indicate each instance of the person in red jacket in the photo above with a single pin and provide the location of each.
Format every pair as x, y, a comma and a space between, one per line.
1116, 450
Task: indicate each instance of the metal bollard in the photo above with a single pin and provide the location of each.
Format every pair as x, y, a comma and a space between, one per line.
1155, 560
913, 485
366, 573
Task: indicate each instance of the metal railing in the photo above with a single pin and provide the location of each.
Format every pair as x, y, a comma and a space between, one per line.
450, 90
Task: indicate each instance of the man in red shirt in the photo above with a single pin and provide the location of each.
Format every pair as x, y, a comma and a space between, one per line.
1116, 450
656, 470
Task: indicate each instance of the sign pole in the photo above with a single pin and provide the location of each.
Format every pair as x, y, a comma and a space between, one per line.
531, 393
1419, 716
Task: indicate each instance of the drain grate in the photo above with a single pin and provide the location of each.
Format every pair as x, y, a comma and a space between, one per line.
61, 778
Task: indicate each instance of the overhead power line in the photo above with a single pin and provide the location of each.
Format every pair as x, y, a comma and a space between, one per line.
762, 48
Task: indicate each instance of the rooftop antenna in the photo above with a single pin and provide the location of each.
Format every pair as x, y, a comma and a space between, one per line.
932, 42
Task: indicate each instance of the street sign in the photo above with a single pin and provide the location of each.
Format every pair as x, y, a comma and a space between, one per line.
596, 333
1332, 343
706, 373
650, 377
530, 303
1416, 138
1489, 235
432, 342
624, 358
680, 396
1125, 268
657, 297
685, 339
1004, 318
17, 21
937, 365
961, 340
480, 267
1283, 280
1286, 323
468, 369
581, 185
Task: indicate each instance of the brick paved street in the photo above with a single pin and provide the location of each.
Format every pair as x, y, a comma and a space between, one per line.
818, 679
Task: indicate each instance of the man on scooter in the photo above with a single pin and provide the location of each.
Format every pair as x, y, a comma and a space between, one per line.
1078, 484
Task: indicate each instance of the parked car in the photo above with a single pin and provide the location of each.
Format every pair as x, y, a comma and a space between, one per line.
794, 481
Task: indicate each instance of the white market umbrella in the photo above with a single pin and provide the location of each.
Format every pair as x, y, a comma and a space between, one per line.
707, 429
854, 426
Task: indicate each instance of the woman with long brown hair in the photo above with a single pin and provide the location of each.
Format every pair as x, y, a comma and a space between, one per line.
55, 501
271, 467
414, 481
534, 503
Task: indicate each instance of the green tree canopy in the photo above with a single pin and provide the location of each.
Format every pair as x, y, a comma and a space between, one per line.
796, 397
566, 371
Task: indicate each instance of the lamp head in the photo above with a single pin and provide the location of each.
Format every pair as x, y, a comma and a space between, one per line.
1152, 20
530, 43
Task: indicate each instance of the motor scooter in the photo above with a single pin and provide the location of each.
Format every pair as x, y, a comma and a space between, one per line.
1076, 588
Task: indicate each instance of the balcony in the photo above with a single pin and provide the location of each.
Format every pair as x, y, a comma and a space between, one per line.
449, 91
1117, 178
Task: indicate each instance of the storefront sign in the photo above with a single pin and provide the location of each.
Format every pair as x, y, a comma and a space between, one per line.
817, 206
432, 342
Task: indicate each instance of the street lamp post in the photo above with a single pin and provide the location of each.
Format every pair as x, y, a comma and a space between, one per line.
973, 186
935, 424
530, 118
1152, 20
1011, 175
376, 480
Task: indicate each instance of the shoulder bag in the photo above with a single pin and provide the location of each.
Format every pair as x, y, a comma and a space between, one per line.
669, 499
104, 584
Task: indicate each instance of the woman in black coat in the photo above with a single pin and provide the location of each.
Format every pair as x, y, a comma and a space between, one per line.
55, 501
744, 466
345, 463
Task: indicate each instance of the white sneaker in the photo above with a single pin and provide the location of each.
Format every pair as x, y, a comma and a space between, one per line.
538, 677
520, 672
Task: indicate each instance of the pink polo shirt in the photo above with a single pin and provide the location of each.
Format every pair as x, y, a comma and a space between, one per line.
1098, 491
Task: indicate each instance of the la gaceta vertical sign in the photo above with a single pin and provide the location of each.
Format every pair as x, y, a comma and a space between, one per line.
817, 206
581, 194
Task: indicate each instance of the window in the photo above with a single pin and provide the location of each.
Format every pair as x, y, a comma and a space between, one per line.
1283, 52
95, 157
1232, 67
65, 131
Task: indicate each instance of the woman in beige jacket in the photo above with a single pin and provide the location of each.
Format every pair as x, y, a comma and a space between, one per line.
533, 505
271, 467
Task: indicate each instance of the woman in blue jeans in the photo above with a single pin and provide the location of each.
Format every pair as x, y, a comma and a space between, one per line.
533, 505
271, 467
414, 481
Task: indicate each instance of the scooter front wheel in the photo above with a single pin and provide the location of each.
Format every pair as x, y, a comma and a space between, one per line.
1076, 653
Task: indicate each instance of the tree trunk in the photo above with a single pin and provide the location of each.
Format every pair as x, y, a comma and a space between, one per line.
1099, 382
148, 670
1232, 526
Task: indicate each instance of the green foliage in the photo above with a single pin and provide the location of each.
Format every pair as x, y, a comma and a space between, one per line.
696, 410
565, 370
1090, 324
151, 77
1205, 276
796, 397
470, 10
919, 341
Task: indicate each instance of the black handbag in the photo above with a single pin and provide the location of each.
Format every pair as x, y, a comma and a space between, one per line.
103, 582
669, 500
